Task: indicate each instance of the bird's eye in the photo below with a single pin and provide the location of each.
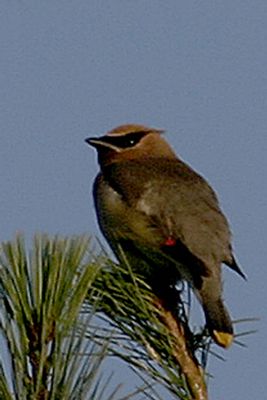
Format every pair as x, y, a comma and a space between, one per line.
132, 142
131, 139
127, 141
123, 142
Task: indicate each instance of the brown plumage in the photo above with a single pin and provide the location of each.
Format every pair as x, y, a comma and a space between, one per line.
162, 214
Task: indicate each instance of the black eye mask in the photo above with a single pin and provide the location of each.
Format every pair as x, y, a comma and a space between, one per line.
123, 142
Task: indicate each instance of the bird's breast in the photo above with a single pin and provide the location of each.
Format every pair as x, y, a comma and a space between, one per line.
119, 218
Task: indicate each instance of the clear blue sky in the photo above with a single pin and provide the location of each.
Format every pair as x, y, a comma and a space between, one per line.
73, 69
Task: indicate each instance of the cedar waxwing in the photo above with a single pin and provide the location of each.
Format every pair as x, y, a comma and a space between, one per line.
164, 217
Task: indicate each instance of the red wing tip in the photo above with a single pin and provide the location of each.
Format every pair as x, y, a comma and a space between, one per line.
169, 242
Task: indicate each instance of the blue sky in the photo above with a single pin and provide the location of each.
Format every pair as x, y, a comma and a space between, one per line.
73, 69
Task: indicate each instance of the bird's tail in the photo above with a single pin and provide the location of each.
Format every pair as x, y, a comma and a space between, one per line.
219, 322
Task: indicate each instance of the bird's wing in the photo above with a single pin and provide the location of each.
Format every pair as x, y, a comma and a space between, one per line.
159, 199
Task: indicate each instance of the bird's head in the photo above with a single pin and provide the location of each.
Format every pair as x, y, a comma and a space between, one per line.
129, 142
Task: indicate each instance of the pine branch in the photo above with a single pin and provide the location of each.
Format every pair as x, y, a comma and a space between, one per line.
153, 337
65, 306
190, 368
42, 293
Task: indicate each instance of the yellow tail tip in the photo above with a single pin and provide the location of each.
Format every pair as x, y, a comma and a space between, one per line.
223, 339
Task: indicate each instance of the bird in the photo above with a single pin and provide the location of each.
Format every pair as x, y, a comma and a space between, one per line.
164, 217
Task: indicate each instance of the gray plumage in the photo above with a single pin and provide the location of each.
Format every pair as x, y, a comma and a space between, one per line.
162, 213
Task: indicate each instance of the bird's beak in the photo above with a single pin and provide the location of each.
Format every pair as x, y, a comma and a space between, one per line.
100, 142
95, 142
